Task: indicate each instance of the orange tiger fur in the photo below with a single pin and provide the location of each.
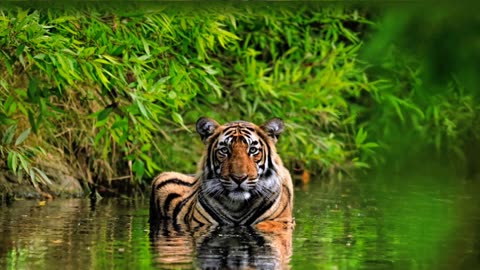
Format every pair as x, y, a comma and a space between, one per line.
241, 180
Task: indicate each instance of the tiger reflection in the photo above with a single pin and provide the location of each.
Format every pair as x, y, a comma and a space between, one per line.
222, 247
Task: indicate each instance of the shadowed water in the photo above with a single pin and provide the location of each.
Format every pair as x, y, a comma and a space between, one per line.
414, 222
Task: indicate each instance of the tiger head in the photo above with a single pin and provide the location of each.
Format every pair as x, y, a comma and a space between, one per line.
241, 162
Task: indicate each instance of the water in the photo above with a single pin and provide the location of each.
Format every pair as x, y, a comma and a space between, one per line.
377, 222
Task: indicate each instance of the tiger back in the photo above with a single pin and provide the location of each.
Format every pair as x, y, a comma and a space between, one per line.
240, 180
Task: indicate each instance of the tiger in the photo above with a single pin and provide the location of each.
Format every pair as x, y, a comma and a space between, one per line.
240, 180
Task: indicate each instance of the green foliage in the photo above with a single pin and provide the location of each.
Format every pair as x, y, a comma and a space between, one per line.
424, 83
19, 156
115, 92
298, 64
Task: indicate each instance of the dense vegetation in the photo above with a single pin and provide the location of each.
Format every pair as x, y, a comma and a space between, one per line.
103, 94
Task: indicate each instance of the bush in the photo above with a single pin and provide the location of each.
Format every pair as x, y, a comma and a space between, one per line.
113, 93
116, 93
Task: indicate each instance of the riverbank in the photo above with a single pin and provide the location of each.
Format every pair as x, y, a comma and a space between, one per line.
62, 181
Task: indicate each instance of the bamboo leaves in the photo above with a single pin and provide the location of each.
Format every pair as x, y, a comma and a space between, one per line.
8, 135
123, 86
18, 156
22, 136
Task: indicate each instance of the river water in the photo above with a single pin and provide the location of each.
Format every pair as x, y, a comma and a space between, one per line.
380, 221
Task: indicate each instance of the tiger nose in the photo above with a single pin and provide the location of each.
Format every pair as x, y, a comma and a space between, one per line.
239, 178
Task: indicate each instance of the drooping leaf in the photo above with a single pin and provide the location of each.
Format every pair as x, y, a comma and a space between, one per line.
21, 138
138, 168
8, 135
102, 115
12, 161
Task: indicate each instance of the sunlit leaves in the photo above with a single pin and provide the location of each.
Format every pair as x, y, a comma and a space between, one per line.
127, 86
177, 118
140, 79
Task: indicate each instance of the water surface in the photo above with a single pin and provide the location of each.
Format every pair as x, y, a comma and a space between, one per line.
371, 223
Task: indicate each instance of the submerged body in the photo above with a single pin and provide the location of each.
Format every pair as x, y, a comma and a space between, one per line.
241, 180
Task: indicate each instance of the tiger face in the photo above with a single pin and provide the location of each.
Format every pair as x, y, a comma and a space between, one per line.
239, 167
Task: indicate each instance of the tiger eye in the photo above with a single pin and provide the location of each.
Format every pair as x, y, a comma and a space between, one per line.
223, 150
253, 150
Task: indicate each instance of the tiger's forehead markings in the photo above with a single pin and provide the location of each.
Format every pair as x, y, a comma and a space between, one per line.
238, 130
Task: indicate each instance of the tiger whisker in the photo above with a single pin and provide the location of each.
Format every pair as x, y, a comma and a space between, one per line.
264, 192
213, 189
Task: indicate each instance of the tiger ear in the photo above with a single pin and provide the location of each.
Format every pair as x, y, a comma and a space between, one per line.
206, 127
273, 128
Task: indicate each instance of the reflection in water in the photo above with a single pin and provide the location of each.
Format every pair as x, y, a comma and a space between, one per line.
70, 234
173, 247
224, 247
244, 247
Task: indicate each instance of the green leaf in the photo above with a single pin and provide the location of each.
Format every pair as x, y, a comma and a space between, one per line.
139, 168
120, 124
31, 119
8, 135
87, 52
12, 161
209, 69
22, 136
5, 120
20, 49
8, 65
31, 173
32, 90
42, 175
62, 19
179, 120
145, 46
10, 105
39, 56
100, 135
146, 147
158, 85
361, 136
118, 50
142, 109
151, 166
23, 162
104, 113
214, 86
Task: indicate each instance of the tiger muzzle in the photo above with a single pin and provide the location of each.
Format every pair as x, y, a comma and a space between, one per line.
239, 178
